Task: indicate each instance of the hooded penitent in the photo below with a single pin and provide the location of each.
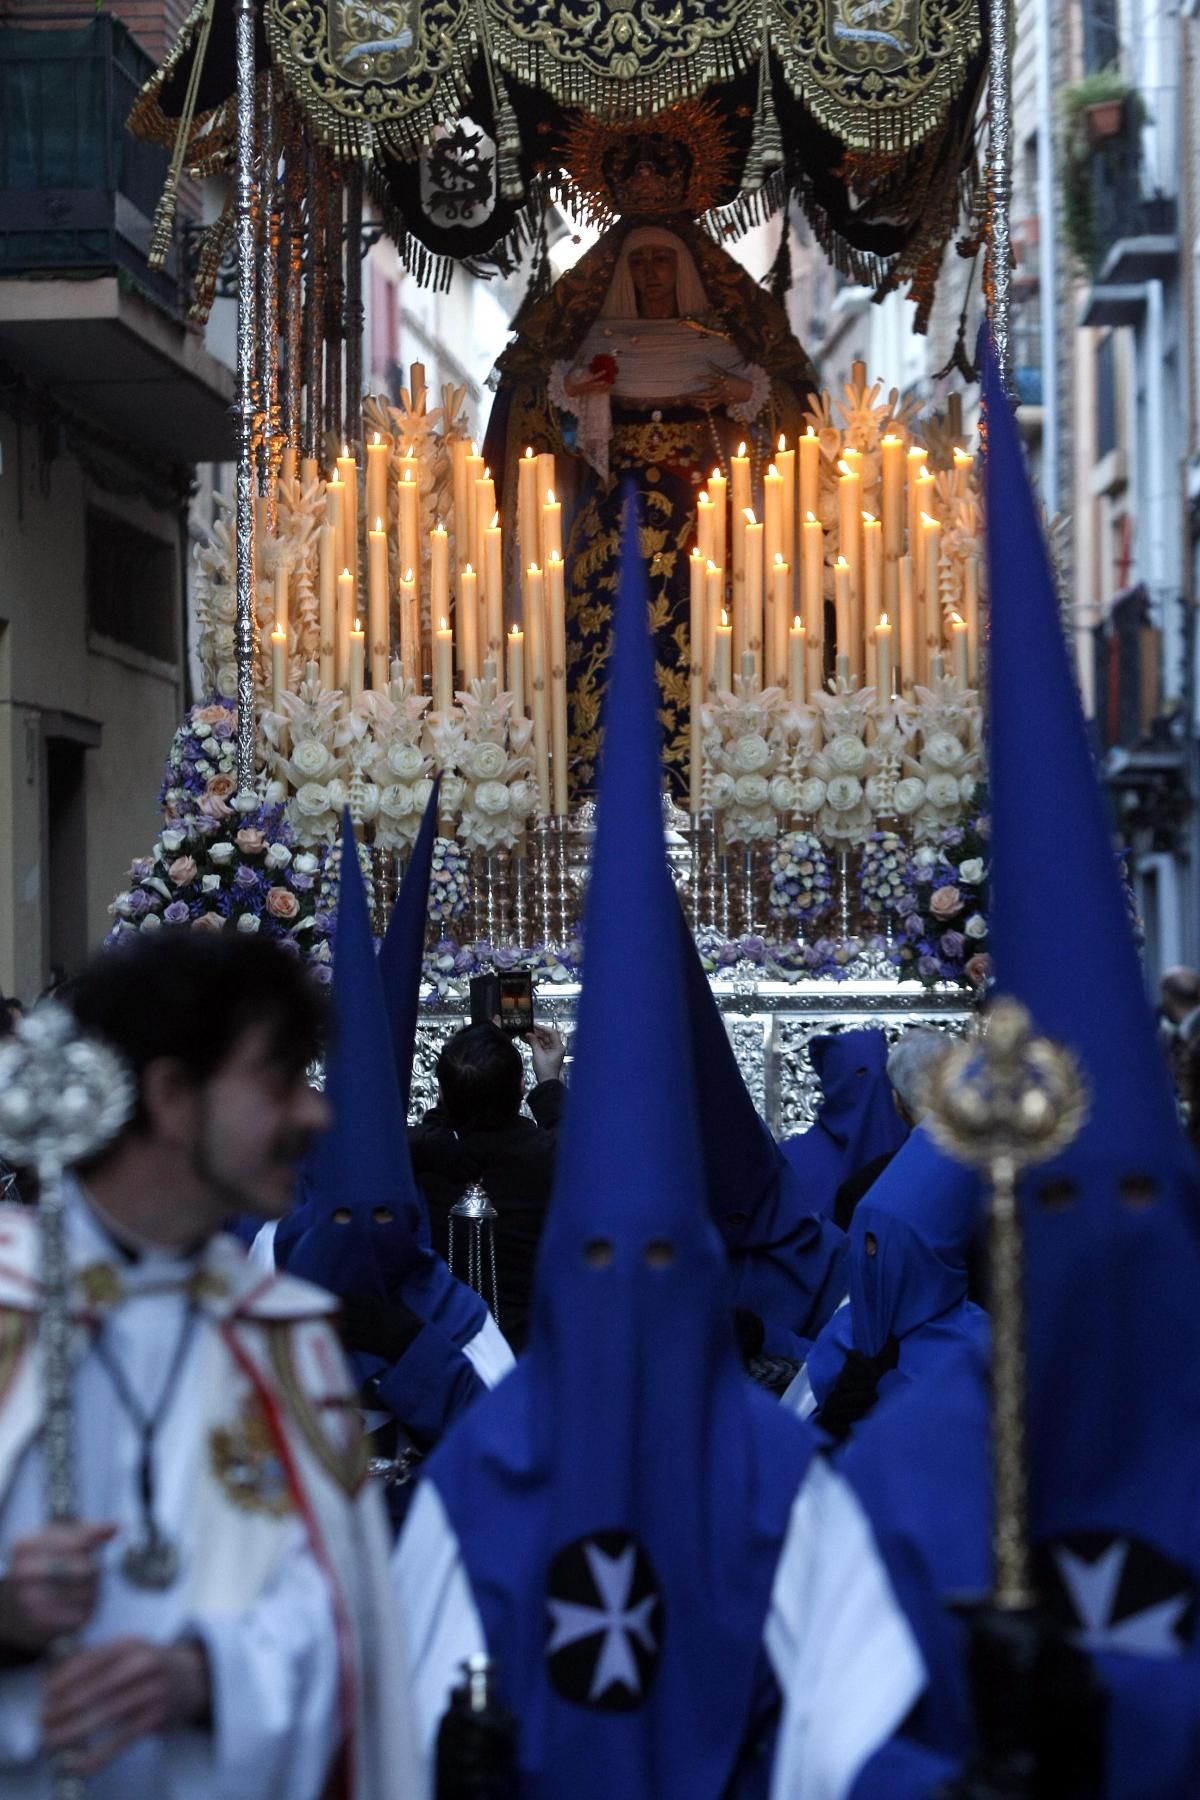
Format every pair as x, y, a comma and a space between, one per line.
1112, 1262
401, 955
857, 1120
360, 1229
788, 1265
621, 1499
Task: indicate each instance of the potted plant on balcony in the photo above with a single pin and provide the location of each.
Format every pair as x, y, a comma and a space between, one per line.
1100, 114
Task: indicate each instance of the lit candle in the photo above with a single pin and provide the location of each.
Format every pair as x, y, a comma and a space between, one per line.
850, 548
529, 547
439, 571
377, 603
443, 668
971, 611
714, 594
697, 620
704, 526
347, 470
472, 471
739, 497
813, 542
358, 663
891, 497
914, 464
883, 659
535, 625
785, 462
797, 651
776, 660
327, 605
556, 611
963, 466
282, 572
718, 493
408, 496
912, 659
872, 567
516, 671
410, 628
810, 475
772, 515
335, 516
551, 529
378, 457
842, 607
485, 509
923, 489
345, 621
279, 667
547, 481
723, 655
310, 471
752, 549
460, 449
493, 554
931, 544
468, 624
960, 650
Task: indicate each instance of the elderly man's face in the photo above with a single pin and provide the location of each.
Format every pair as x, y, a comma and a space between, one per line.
654, 268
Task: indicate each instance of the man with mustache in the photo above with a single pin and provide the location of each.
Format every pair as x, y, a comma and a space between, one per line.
217, 1587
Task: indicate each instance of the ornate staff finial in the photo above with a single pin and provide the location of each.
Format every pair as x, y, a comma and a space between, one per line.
1002, 1104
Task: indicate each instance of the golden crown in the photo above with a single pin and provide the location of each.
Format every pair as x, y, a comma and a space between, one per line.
679, 161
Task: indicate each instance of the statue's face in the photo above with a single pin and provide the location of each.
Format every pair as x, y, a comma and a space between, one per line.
654, 268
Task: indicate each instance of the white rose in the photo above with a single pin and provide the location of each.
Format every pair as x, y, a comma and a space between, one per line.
752, 790
942, 791
397, 800
307, 863
338, 794
312, 799
811, 796
976, 926
909, 794
971, 871
751, 753
405, 762
276, 793
783, 793
248, 922
966, 787
151, 922
209, 884
943, 750
201, 731
421, 792
221, 854
173, 840
491, 798
844, 793
311, 758
846, 753
925, 857
278, 856
486, 762
722, 792
522, 798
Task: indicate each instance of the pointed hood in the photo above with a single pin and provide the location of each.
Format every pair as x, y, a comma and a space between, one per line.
1111, 1228
788, 1264
628, 1463
856, 1121
359, 1227
402, 954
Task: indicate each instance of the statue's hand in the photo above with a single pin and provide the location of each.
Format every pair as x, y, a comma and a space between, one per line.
587, 383
724, 389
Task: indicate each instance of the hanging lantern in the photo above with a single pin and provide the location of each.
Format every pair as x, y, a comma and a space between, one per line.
478, 1219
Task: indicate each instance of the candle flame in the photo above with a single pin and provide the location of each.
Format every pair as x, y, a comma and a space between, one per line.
357, 632
377, 439
279, 633
957, 622
742, 450
696, 552
868, 518
408, 475
346, 451
346, 574
474, 449
444, 626
924, 475
782, 444
712, 568
883, 622
514, 632
533, 569
554, 558
487, 473
842, 563
749, 515
529, 450
927, 520
724, 619
810, 432
550, 500
467, 569
845, 469
379, 524
811, 519
796, 625
495, 520
772, 470
961, 457
408, 574
891, 438
779, 559
716, 475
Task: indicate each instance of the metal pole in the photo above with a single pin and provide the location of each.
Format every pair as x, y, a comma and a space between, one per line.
1000, 184
1048, 255
244, 517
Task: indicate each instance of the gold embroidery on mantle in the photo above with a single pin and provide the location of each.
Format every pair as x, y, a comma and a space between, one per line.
247, 1464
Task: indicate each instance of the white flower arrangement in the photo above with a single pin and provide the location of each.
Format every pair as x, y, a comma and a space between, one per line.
748, 739
491, 755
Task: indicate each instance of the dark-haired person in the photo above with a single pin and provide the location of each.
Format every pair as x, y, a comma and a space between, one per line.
220, 1583
477, 1133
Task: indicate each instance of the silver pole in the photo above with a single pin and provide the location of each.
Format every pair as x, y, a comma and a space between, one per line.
244, 518
1000, 184
1048, 254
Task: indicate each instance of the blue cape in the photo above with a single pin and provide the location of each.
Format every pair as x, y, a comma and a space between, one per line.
857, 1120
621, 1499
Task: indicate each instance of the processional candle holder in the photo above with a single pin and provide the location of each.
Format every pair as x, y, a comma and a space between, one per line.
63, 1097
492, 893
747, 889
386, 876
1002, 1104
695, 886
521, 874
475, 1215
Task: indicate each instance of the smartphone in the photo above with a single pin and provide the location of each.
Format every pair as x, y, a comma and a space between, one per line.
507, 995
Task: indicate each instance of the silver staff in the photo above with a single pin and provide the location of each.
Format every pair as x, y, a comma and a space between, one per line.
999, 183
244, 217
1003, 1104
62, 1098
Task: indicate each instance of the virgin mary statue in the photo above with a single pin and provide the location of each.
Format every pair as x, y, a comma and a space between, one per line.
651, 359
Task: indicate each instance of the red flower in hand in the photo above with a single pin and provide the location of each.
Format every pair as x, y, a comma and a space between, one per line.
604, 366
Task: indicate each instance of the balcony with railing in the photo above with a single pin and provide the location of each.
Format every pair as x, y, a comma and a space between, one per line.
1126, 235
80, 307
